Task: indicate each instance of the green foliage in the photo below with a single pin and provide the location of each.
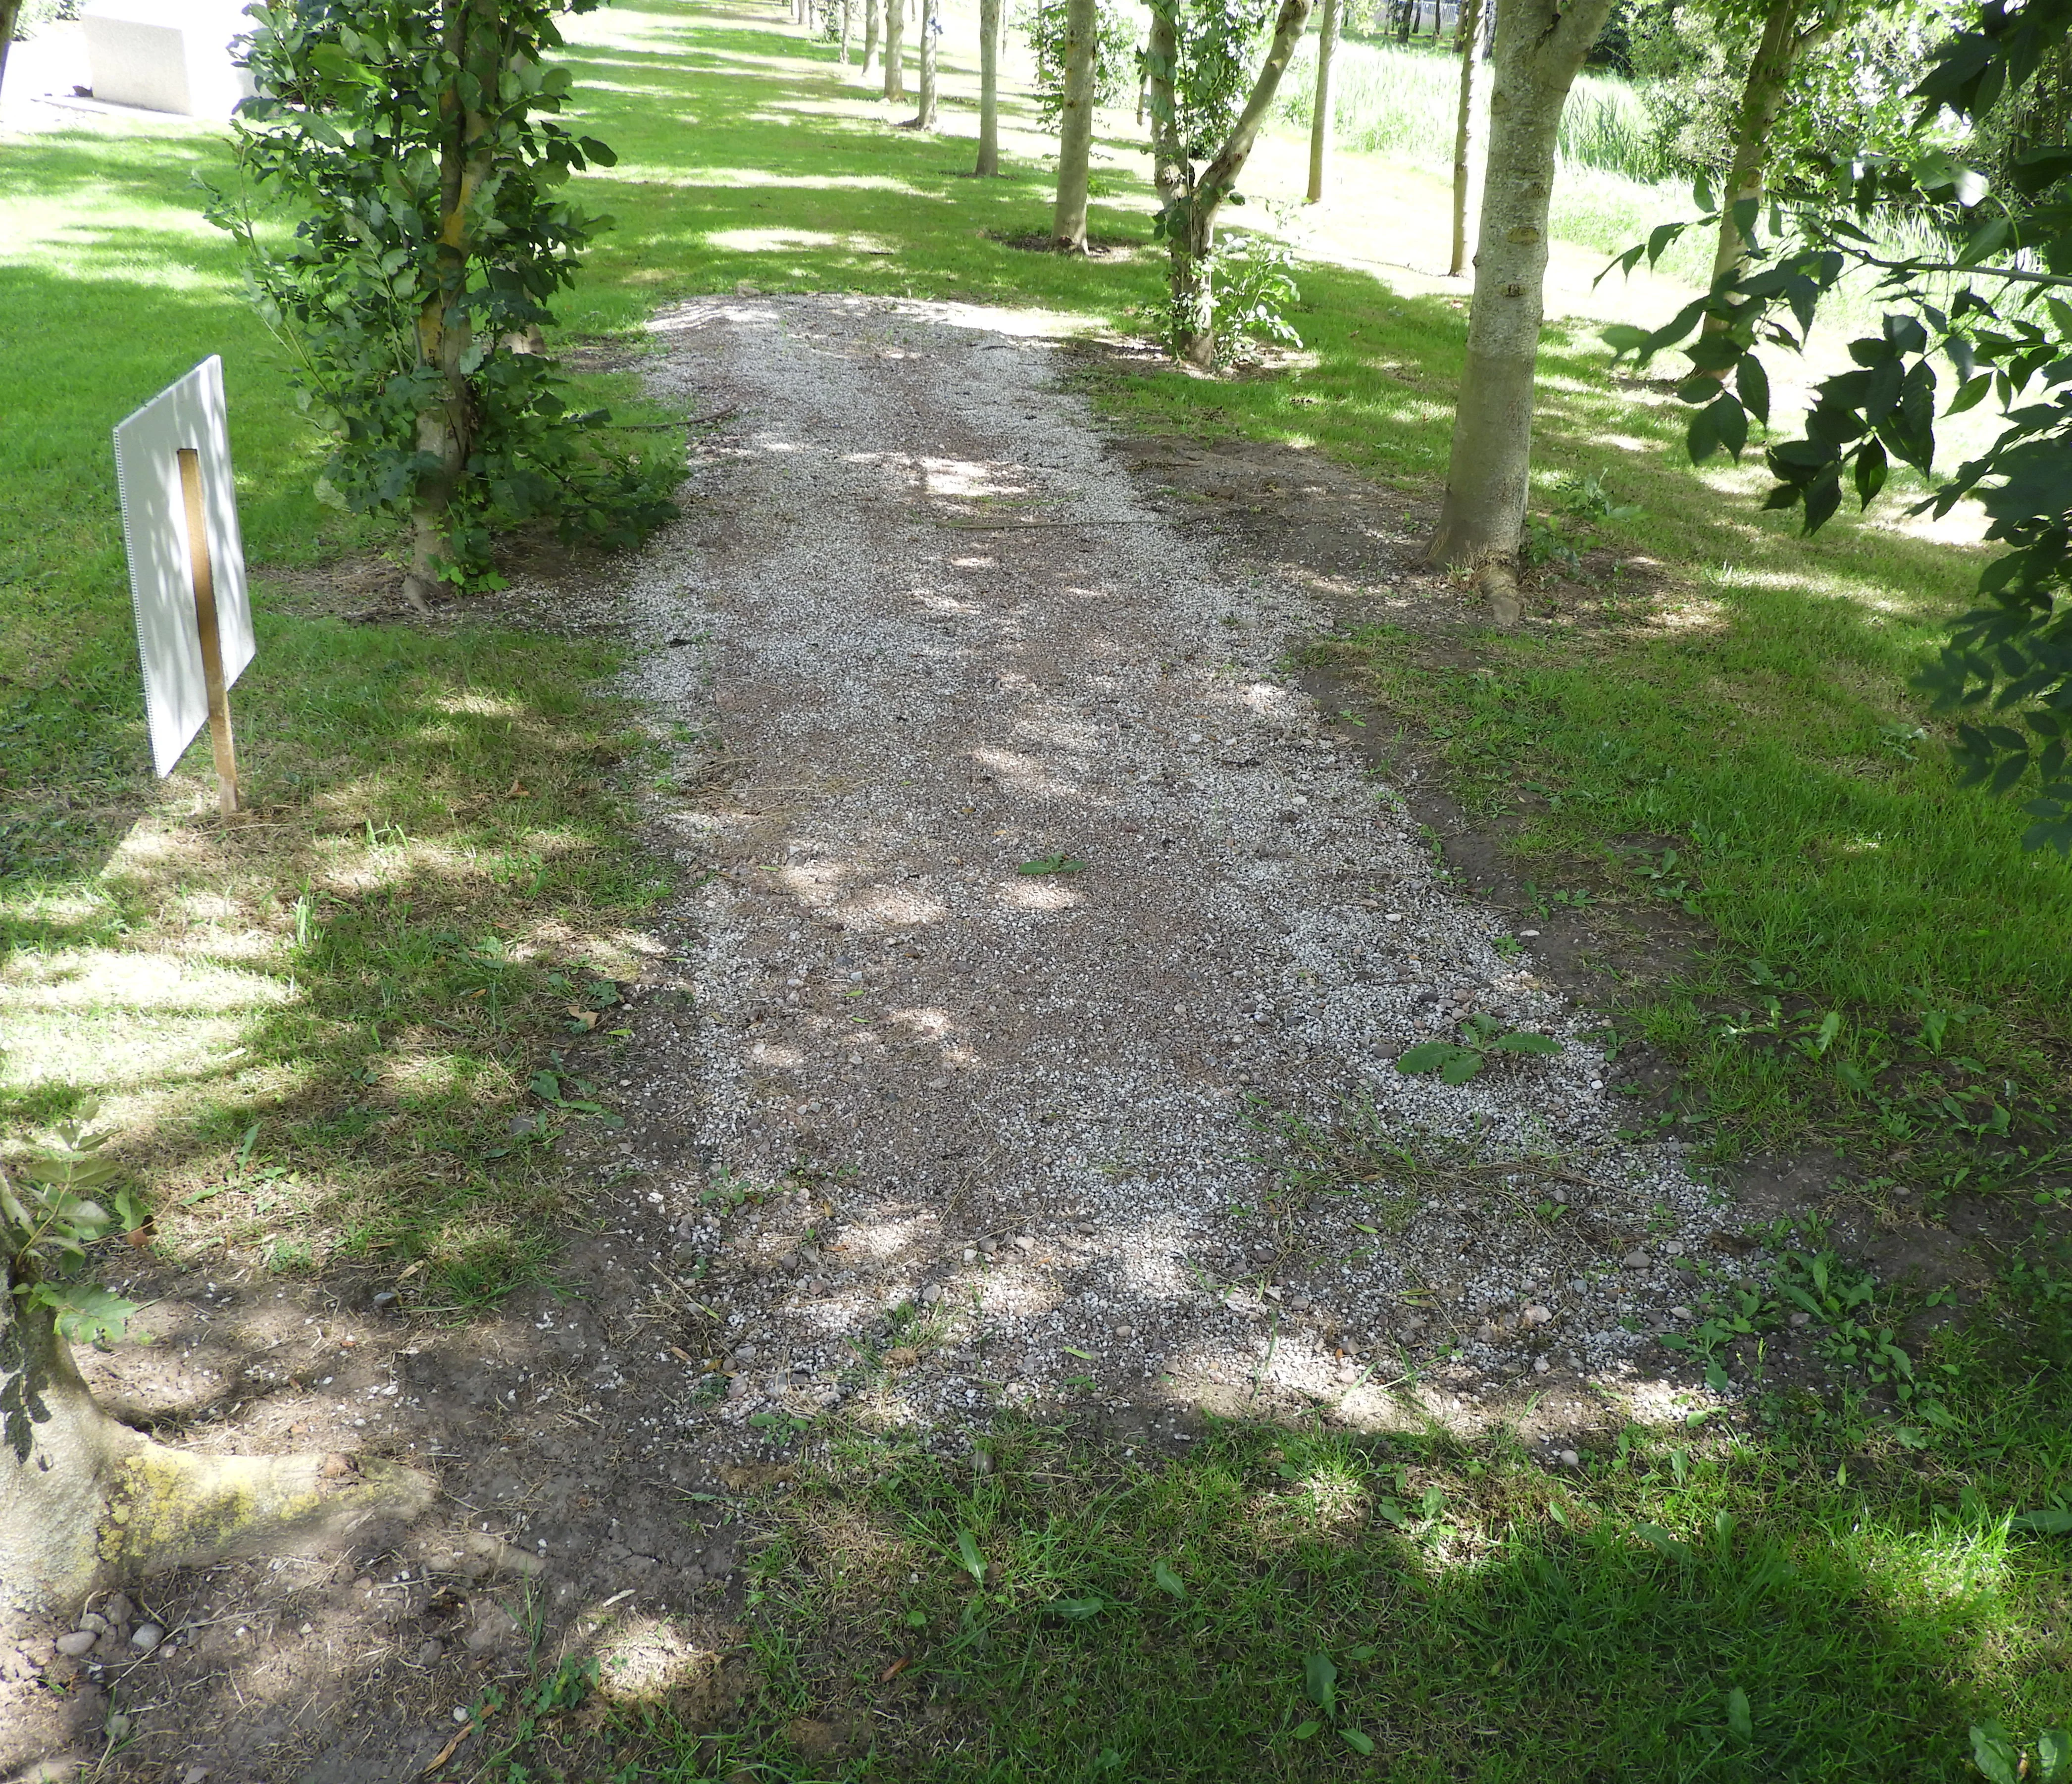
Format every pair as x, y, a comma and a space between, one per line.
1252, 283
1481, 1036
1115, 59
1982, 298
49, 1217
409, 148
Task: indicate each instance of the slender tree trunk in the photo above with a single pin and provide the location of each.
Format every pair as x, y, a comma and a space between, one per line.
842, 55
446, 331
1075, 127
1540, 47
1777, 53
1320, 121
871, 11
85, 1502
895, 49
10, 14
1191, 203
988, 87
1467, 29
924, 117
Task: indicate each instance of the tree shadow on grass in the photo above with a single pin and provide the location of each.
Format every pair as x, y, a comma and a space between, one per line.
1482, 1620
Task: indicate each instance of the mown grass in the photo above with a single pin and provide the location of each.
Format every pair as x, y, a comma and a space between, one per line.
312, 1028
1819, 1602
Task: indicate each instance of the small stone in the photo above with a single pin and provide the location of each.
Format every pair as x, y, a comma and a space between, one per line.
1635, 1260
145, 1637
119, 1726
78, 1642
1541, 1366
196, 1774
745, 1353
1025, 1242
429, 1652
1570, 1459
1800, 1319
1680, 1312
988, 1246
94, 1621
932, 1293
118, 1608
1537, 1315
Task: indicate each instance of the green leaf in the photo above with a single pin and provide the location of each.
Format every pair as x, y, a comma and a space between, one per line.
1429, 1057
1994, 1753
1459, 1069
86, 1314
2050, 1522
968, 1553
1752, 384
1359, 1742
1168, 1580
1308, 1731
1739, 1724
1319, 1679
1079, 1610
1520, 1041
2054, 1757
1059, 863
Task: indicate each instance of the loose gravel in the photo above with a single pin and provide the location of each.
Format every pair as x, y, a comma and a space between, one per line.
1037, 932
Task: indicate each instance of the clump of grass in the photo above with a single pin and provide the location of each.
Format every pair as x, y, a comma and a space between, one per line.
1403, 103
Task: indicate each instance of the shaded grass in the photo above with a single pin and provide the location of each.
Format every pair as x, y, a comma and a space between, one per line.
1068, 1614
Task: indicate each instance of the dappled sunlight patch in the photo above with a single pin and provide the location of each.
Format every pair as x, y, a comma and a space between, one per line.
647, 1659
1024, 773
1043, 897
83, 984
778, 241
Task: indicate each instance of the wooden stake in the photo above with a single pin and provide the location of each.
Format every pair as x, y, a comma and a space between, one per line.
212, 642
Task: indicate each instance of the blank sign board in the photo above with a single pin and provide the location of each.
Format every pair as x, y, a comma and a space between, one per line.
190, 414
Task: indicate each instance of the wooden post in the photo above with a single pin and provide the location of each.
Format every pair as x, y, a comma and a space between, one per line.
211, 643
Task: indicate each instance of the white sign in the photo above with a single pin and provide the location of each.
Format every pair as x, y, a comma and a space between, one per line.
189, 416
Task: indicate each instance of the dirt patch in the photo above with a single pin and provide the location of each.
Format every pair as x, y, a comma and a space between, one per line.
1100, 248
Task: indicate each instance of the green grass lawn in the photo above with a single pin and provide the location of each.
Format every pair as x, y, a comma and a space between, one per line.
1819, 1591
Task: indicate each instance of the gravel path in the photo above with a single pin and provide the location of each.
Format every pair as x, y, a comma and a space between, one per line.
982, 1135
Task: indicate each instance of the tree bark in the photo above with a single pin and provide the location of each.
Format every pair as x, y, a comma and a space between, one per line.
85, 1502
870, 16
1538, 50
10, 14
988, 88
1191, 201
1075, 127
1777, 53
924, 117
446, 331
895, 49
842, 55
1467, 30
1320, 121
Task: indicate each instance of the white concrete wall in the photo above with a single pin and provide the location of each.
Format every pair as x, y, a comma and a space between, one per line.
165, 55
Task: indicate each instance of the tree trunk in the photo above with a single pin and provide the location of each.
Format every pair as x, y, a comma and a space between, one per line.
1191, 202
1320, 121
1075, 127
895, 49
10, 14
1467, 28
1539, 49
1777, 53
446, 331
842, 55
988, 88
85, 1502
870, 16
924, 118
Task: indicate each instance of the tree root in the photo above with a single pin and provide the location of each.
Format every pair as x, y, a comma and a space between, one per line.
1499, 585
